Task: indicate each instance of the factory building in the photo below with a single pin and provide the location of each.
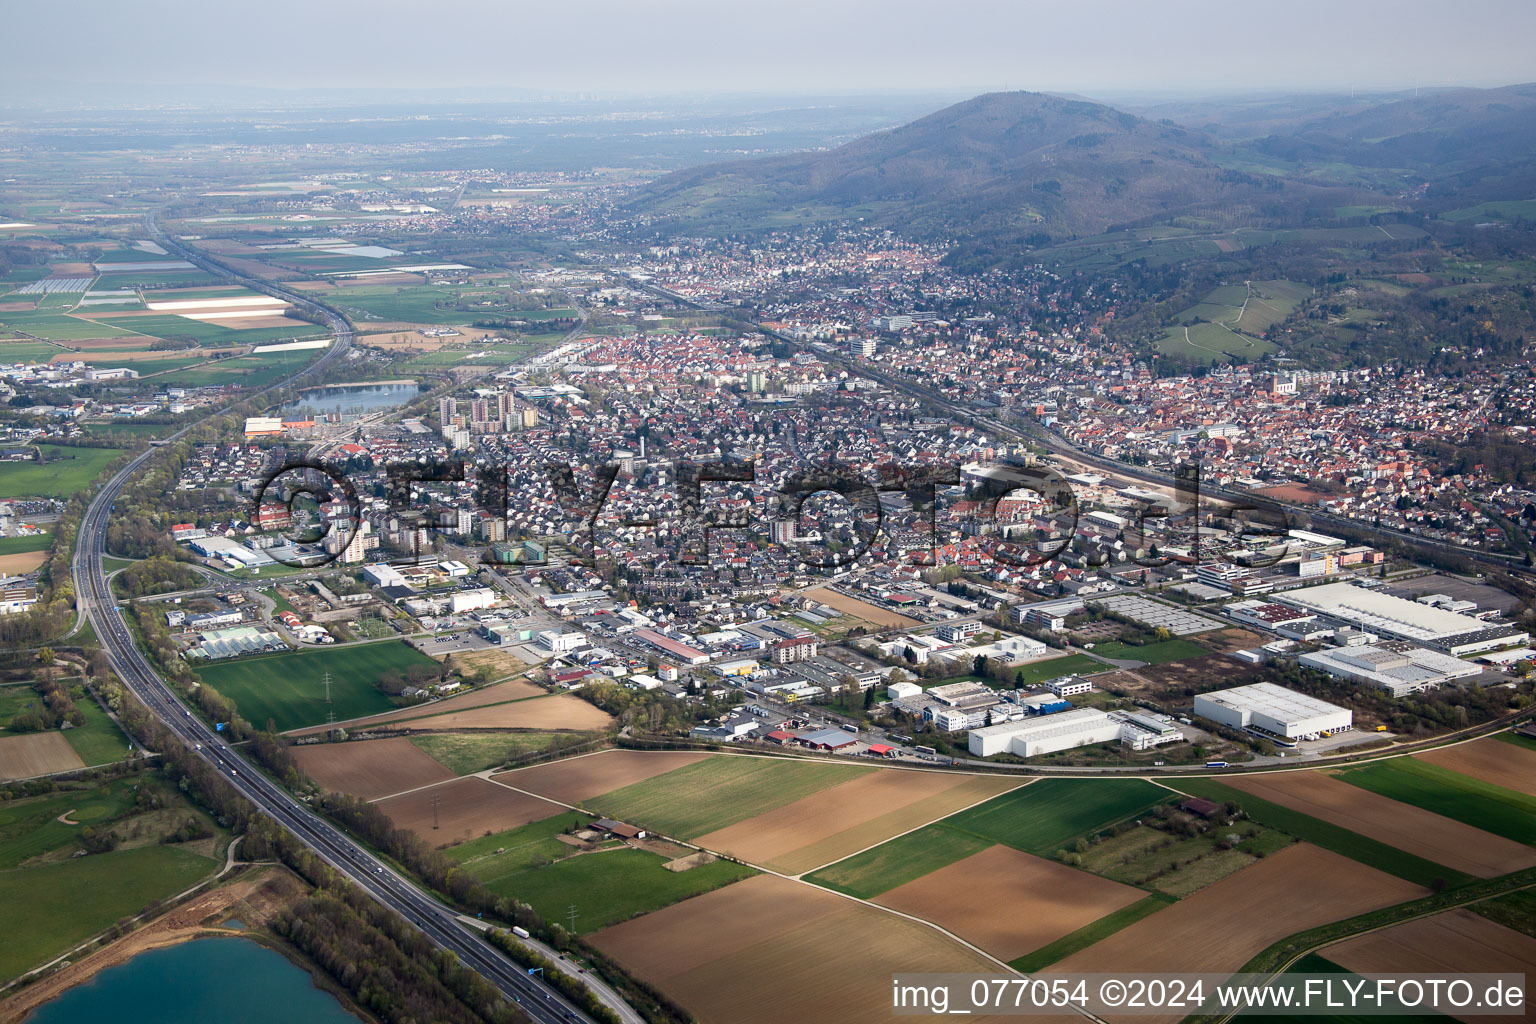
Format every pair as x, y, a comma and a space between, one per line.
1265, 708
1399, 668
1402, 619
1045, 735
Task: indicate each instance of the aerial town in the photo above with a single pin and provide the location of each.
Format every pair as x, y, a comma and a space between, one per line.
658, 561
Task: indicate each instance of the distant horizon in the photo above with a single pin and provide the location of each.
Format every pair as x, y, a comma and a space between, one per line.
693, 48
237, 96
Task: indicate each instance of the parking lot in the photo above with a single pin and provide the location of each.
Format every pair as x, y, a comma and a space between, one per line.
1155, 615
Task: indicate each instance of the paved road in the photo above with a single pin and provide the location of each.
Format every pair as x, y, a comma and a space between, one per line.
348, 857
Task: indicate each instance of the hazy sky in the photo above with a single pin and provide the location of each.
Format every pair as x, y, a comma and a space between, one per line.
713, 46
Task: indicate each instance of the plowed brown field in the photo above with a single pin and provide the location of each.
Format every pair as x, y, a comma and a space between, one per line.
1220, 927
370, 768
837, 822
1008, 902
1455, 942
466, 808
41, 753
767, 950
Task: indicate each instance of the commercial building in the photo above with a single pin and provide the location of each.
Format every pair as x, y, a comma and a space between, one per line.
1269, 709
1143, 732
1051, 615
1401, 619
1033, 736
672, 648
16, 596
1398, 667
561, 642
957, 632
471, 600
1069, 686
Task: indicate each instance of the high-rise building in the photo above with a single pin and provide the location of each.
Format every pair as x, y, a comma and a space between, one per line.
757, 382
447, 409
861, 348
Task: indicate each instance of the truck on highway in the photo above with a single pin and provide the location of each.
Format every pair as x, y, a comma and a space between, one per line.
520, 931
1215, 764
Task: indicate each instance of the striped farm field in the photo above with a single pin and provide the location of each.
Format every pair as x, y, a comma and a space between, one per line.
1043, 817
1404, 826
1503, 764
1221, 927
1038, 818
1504, 812
712, 794
832, 823
576, 780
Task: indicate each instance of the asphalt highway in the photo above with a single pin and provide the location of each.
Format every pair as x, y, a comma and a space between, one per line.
346, 856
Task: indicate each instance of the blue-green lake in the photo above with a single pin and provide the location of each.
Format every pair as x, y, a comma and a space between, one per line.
229, 980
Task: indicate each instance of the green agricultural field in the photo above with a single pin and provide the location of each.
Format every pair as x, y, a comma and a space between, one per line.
1515, 910
1508, 209
18, 351
1228, 321
1483, 805
1087, 935
288, 688
113, 279
51, 325
1327, 835
899, 861
99, 740
611, 886
1045, 816
128, 255
67, 471
50, 908
21, 545
1160, 653
698, 798
521, 849
247, 371
1039, 671
467, 753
